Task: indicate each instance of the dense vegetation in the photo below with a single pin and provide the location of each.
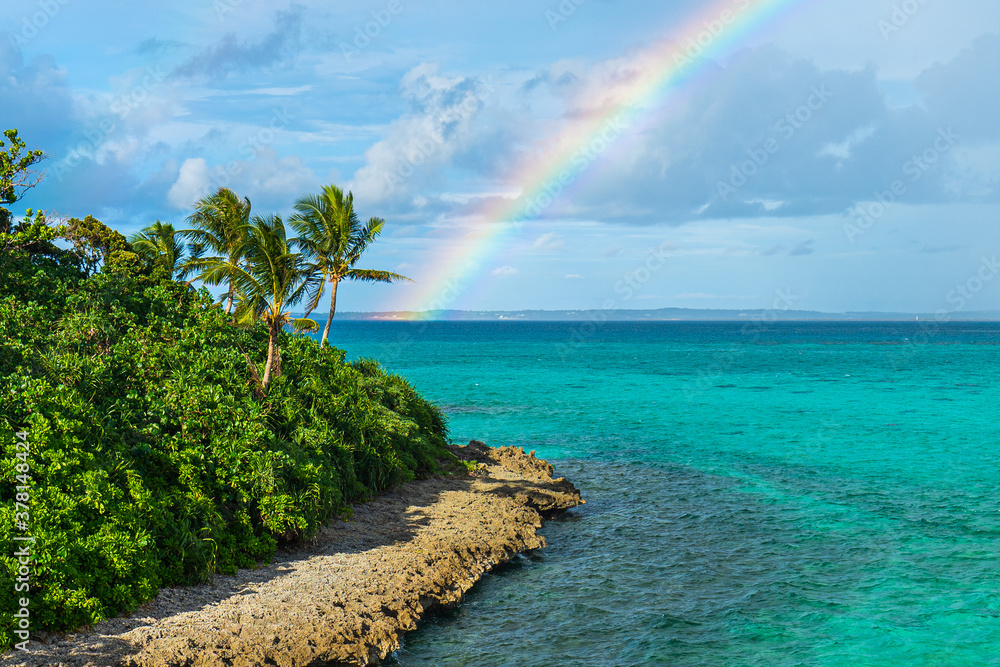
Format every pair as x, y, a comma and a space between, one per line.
158, 455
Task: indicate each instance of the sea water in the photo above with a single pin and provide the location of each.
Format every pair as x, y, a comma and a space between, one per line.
757, 493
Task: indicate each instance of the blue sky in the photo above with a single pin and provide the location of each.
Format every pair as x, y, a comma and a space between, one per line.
143, 107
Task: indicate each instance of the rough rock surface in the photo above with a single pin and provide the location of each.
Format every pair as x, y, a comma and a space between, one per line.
348, 597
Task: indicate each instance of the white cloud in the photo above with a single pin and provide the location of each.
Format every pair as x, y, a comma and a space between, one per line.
193, 183
423, 142
831, 134
278, 180
505, 272
36, 98
280, 92
550, 241
843, 149
234, 55
269, 180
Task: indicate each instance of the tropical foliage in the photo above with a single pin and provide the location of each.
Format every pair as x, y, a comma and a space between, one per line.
161, 247
275, 279
17, 174
159, 455
96, 245
332, 236
220, 223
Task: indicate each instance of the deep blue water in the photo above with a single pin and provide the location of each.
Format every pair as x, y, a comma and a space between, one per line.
758, 494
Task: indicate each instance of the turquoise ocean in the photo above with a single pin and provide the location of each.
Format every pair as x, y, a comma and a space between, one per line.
757, 493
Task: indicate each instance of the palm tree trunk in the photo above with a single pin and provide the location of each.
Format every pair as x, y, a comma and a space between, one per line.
229, 302
271, 345
333, 309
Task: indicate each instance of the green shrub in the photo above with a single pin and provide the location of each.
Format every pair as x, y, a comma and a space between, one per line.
153, 463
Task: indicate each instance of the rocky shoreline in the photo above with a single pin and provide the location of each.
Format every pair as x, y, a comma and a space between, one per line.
347, 598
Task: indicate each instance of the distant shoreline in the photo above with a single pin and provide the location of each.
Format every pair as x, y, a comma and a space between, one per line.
662, 315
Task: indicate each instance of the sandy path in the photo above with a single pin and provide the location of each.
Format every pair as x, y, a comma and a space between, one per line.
347, 598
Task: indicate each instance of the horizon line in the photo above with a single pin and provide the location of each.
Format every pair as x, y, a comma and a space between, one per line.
941, 316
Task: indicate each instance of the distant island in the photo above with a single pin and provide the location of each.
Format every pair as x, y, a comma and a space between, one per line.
664, 315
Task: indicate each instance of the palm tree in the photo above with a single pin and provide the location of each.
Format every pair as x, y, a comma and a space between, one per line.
158, 244
333, 238
273, 279
220, 224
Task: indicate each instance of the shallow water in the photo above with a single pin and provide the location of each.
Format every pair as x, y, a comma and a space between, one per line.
791, 494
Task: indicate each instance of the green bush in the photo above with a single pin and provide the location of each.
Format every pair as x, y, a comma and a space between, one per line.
153, 461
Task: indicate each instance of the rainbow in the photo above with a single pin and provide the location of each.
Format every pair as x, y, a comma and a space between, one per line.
661, 72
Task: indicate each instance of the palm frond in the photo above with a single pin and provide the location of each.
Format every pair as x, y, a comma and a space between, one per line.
160, 245
304, 324
332, 238
372, 276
